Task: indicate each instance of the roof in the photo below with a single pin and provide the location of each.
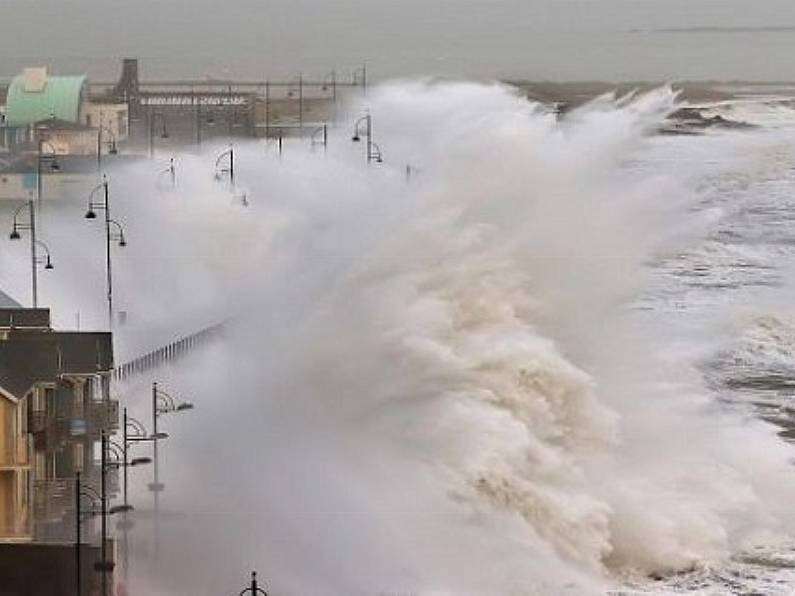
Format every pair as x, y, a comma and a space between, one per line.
34, 96
17, 317
57, 125
28, 357
7, 301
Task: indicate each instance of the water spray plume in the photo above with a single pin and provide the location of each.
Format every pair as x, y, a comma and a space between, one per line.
435, 387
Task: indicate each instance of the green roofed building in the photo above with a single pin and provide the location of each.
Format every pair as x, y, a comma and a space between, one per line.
34, 96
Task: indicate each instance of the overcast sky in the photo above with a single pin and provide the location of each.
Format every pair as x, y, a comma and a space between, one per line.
553, 39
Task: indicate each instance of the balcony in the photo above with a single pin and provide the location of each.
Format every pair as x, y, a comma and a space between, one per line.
18, 531
103, 415
52, 499
15, 453
54, 431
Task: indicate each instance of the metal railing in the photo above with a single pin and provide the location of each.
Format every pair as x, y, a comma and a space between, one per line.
168, 353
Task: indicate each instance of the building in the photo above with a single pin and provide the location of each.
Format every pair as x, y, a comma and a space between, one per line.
55, 389
61, 105
54, 404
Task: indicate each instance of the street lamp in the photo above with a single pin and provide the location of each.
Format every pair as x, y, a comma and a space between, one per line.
220, 170
279, 142
110, 235
330, 82
359, 77
153, 116
103, 566
254, 588
133, 431
290, 93
162, 403
171, 172
320, 137
376, 152
35, 261
42, 158
373, 150
82, 491
112, 148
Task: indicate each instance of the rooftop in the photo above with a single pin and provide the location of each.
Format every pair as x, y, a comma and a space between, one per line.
32, 352
34, 96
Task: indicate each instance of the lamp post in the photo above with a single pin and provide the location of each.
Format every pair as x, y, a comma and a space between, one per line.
279, 142
138, 435
267, 109
220, 170
162, 403
112, 148
290, 93
254, 588
153, 116
373, 151
198, 121
35, 261
359, 77
104, 566
330, 82
171, 171
320, 137
81, 491
110, 236
42, 158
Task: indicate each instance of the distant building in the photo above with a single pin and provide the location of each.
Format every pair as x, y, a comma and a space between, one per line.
60, 109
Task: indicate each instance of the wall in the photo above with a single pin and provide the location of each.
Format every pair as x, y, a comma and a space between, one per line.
37, 569
111, 116
19, 186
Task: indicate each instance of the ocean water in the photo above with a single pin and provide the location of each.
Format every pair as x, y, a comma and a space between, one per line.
556, 360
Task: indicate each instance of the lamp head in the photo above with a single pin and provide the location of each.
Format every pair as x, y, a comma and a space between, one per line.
113, 149
355, 138
184, 406
90, 214
14, 234
140, 461
55, 166
122, 242
164, 135
120, 509
49, 264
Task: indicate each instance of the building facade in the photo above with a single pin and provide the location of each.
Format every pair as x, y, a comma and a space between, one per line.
55, 389
74, 125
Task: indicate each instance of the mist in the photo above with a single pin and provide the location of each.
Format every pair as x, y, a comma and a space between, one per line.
432, 386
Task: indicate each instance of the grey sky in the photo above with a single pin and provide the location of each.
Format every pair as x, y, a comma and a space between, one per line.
555, 39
